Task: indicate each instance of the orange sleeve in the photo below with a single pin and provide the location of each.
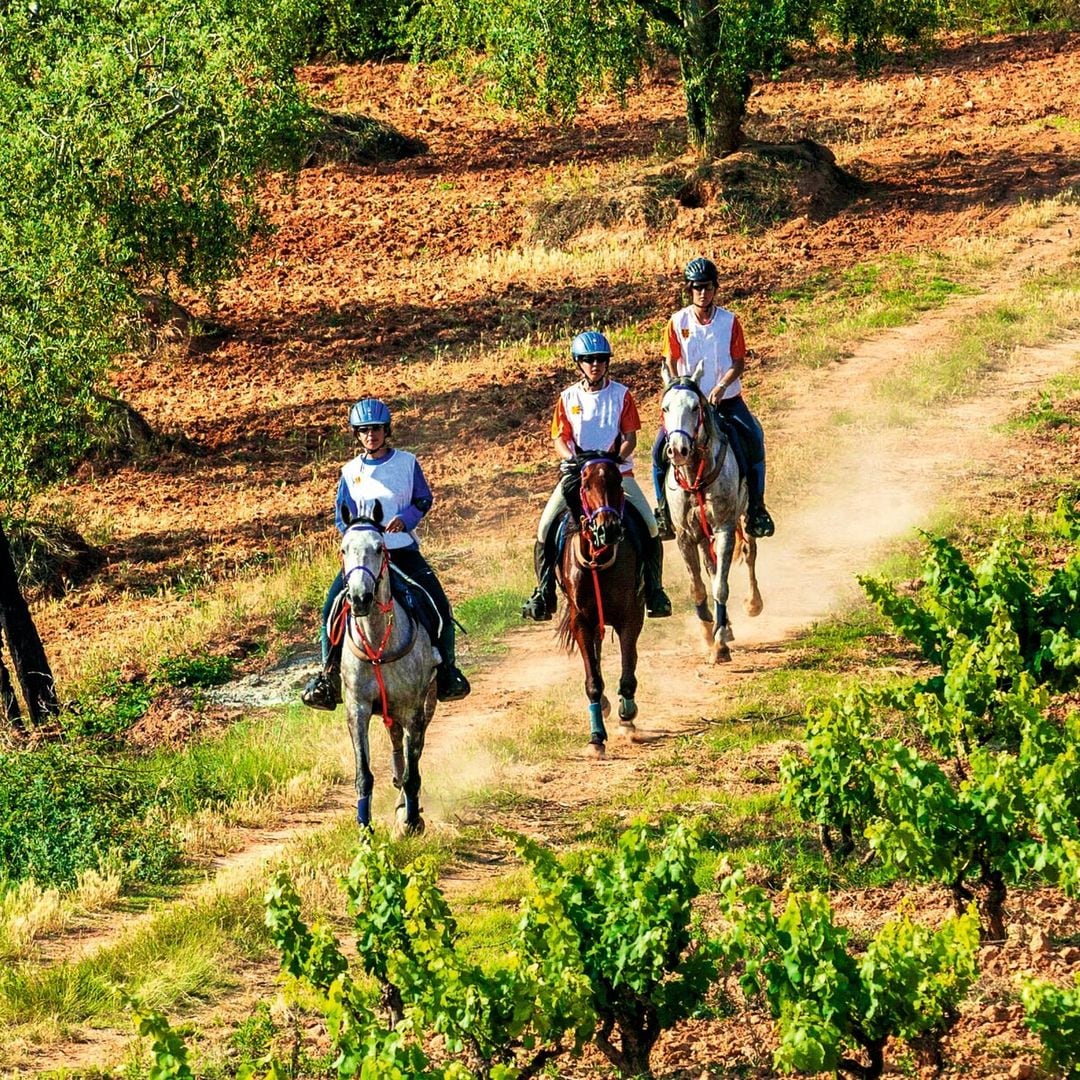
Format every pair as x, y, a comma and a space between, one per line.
672, 345
560, 423
629, 420
738, 342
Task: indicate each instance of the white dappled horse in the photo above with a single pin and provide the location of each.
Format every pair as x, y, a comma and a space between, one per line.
387, 666
707, 501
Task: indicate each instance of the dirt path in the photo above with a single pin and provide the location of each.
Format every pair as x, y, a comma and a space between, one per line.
877, 484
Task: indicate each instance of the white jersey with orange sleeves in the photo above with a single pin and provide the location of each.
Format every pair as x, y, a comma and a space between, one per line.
591, 419
689, 342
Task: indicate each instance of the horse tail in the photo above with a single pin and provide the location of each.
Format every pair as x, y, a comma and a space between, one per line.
566, 635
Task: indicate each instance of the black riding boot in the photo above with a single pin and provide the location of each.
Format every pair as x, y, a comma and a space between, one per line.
759, 521
323, 690
541, 605
450, 681
657, 604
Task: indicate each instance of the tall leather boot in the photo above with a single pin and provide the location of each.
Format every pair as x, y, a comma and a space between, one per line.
541, 605
450, 681
657, 603
664, 528
759, 521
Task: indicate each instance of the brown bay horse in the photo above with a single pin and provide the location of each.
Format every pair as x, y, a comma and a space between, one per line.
598, 573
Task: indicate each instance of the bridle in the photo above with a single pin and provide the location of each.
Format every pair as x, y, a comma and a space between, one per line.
602, 535
350, 621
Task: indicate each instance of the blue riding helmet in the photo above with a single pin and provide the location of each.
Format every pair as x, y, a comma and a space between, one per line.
368, 412
590, 344
700, 272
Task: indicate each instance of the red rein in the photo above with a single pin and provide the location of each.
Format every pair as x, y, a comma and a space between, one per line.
373, 656
697, 489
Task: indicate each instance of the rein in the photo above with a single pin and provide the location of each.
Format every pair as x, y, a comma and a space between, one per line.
596, 550
702, 480
376, 657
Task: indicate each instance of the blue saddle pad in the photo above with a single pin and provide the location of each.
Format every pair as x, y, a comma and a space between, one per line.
417, 603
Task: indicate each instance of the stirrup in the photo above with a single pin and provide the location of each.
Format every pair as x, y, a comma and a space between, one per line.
537, 608
760, 523
452, 684
320, 693
658, 606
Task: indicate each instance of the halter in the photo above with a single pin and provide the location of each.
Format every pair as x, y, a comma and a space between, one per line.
699, 442
349, 622
601, 555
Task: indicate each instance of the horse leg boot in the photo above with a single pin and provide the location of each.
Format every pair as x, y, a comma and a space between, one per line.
657, 603
541, 605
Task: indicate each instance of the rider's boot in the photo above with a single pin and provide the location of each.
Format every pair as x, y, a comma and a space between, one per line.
657, 604
323, 690
450, 681
759, 521
664, 528
541, 605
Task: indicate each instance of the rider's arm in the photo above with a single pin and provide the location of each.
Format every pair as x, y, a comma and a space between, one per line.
672, 351
738, 362
421, 502
562, 434
629, 426
629, 441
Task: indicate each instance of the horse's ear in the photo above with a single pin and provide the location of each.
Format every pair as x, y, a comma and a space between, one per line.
665, 378
347, 514
376, 512
696, 374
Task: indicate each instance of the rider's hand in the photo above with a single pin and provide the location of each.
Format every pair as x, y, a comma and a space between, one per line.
395, 524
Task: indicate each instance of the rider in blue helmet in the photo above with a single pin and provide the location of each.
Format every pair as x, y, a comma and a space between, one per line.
393, 478
704, 332
594, 414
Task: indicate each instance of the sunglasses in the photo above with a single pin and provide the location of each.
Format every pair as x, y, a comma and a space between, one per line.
367, 429
701, 286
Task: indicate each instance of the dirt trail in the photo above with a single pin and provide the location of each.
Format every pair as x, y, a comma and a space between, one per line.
878, 483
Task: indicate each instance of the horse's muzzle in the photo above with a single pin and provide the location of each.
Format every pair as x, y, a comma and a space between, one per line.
605, 531
360, 601
678, 449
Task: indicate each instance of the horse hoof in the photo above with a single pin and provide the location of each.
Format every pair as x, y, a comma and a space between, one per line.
753, 608
722, 654
629, 731
605, 707
627, 710
597, 751
403, 827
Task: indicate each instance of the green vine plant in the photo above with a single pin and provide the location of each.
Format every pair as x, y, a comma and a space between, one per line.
831, 1004
1053, 1013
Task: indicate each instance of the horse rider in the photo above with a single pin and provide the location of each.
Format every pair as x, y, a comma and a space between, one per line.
590, 415
382, 473
704, 331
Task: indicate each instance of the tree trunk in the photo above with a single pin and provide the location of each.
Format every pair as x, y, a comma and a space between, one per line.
27, 654
715, 94
9, 703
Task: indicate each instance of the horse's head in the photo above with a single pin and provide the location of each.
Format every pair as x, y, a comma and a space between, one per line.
364, 561
685, 419
602, 500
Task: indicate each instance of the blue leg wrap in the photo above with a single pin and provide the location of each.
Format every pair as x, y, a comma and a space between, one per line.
627, 708
721, 615
363, 811
597, 731
703, 612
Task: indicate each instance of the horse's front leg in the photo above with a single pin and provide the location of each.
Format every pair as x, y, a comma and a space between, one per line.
724, 540
358, 714
588, 642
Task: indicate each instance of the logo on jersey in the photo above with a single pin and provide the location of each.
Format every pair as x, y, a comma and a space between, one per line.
575, 410
685, 331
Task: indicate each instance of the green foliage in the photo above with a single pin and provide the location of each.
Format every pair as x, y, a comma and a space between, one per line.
867, 24
167, 1049
136, 134
631, 914
987, 791
514, 1015
828, 1001
200, 670
340, 29
64, 809
1053, 1013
